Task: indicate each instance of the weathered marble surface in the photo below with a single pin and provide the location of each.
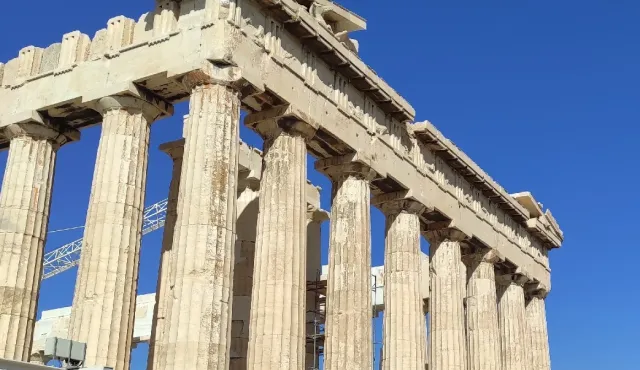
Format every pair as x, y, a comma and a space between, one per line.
24, 216
447, 316
404, 326
198, 335
483, 332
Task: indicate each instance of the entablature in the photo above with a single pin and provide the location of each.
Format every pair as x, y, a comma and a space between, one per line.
542, 224
300, 23
430, 136
275, 71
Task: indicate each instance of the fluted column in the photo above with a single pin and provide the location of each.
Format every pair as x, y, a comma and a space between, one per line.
404, 326
246, 226
24, 216
512, 320
483, 332
204, 240
348, 328
447, 319
538, 346
104, 300
277, 335
166, 277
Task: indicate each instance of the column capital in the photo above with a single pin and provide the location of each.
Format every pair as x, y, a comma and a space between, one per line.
213, 74
284, 118
539, 293
511, 278
247, 180
536, 289
438, 234
397, 202
38, 127
316, 214
131, 97
174, 149
337, 168
151, 108
487, 255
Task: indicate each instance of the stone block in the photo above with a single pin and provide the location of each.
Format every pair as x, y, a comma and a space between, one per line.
50, 57
119, 33
98, 45
75, 49
29, 61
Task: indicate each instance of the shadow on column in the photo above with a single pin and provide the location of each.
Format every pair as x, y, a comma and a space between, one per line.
246, 229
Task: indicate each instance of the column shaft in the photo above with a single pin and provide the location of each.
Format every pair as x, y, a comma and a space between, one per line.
24, 217
104, 300
538, 337
483, 332
199, 328
277, 335
404, 327
166, 276
243, 271
511, 316
447, 320
348, 340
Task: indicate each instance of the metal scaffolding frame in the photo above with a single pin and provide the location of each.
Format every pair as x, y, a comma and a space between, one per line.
67, 256
317, 337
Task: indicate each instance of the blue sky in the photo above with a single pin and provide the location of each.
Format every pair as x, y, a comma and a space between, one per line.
543, 95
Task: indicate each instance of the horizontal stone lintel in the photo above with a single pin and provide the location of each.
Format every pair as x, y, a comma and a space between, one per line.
428, 134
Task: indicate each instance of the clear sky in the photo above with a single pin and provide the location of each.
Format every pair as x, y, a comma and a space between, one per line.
542, 94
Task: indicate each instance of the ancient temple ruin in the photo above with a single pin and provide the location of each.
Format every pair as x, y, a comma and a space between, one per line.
293, 67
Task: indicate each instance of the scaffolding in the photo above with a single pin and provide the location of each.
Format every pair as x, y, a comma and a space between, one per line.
316, 319
375, 312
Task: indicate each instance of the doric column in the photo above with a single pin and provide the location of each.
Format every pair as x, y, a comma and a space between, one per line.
166, 277
483, 332
512, 320
277, 335
246, 226
348, 332
199, 328
404, 327
315, 218
447, 320
24, 216
104, 300
538, 345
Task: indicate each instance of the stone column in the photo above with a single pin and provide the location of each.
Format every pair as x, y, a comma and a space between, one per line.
246, 226
104, 300
447, 319
483, 332
24, 216
538, 345
512, 320
200, 324
277, 335
348, 329
166, 277
404, 327
315, 218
